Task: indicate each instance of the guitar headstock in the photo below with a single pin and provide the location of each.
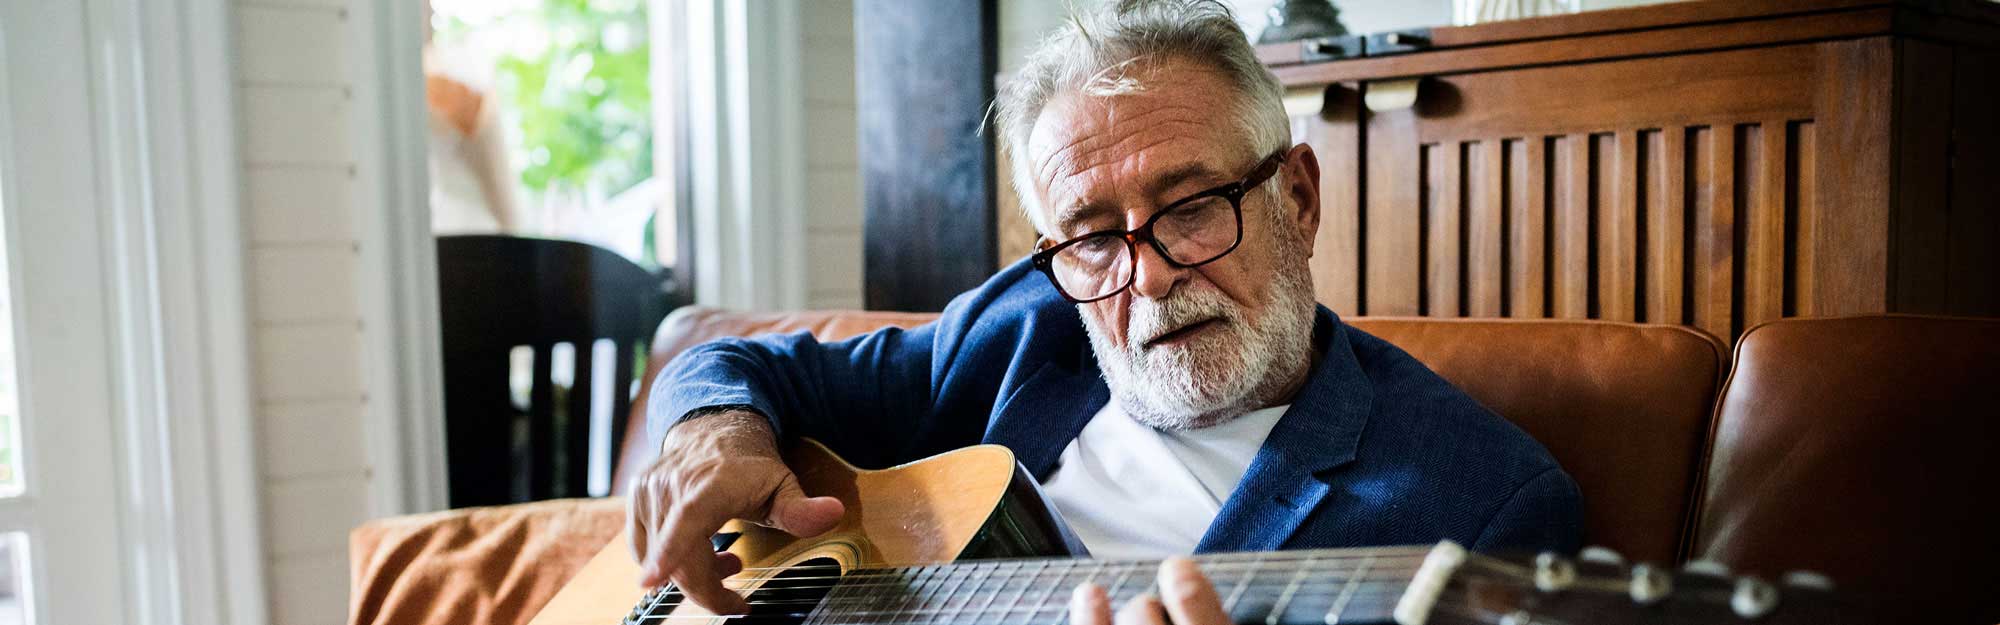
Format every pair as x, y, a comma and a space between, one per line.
1598, 586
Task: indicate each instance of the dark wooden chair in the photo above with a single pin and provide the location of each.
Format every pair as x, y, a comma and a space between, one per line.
500, 293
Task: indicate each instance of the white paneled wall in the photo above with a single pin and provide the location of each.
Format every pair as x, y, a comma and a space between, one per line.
295, 94
833, 170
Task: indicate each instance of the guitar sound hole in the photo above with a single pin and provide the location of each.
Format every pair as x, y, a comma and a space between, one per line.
792, 595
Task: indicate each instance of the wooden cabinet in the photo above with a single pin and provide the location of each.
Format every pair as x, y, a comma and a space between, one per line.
1718, 163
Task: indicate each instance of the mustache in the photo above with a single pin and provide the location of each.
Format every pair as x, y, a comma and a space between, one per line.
1150, 317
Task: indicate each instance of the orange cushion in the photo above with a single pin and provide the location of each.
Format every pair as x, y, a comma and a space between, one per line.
492, 566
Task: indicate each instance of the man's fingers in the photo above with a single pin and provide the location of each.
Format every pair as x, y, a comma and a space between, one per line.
697, 579
639, 521
1089, 606
727, 564
796, 514
1189, 598
1142, 610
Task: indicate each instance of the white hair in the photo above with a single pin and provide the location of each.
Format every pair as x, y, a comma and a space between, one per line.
1094, 54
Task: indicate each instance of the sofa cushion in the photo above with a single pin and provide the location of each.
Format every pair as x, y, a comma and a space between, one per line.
495, 565
1868, 449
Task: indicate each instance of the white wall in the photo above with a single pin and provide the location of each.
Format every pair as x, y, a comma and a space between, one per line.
833, 166
301, 197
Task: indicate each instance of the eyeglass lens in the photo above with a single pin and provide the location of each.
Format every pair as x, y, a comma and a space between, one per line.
1192, 233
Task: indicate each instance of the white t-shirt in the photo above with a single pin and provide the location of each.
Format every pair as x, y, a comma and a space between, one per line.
1130, 491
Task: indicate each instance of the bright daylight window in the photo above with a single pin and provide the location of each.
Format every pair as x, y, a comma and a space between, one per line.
543, 124
13, 545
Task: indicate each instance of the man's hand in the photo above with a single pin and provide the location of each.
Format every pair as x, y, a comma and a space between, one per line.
1186, 598
713, 469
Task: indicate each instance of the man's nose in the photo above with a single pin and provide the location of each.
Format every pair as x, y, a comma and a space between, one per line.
1153, 276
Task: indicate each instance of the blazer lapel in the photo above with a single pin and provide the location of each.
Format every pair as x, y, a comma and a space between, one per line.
1046, 412
1285, 482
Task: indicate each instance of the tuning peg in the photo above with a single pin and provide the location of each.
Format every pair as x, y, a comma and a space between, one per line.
1753, 598
1811, 580
1708, 568
1601, 555
1553, 573
1649, 584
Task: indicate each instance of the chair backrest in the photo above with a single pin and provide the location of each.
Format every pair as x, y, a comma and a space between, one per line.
1865, 448
497, 293
1624, 407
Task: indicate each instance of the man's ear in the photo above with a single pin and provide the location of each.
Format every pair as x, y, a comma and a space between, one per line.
1301, 176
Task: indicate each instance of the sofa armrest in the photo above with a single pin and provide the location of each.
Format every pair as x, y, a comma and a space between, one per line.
496, 565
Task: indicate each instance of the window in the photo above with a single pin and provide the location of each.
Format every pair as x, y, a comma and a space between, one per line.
545, 124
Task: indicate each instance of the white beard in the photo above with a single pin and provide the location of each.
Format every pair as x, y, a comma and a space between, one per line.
1228, 370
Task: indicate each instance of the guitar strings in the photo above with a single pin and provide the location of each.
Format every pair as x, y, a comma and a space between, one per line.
1275, 557
1373, 602
1323, 587
1397, 571
917, 572
993, 568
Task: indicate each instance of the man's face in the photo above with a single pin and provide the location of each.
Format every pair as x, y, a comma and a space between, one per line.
1183, 347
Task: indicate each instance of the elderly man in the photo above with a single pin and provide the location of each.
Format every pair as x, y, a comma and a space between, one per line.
1159, 363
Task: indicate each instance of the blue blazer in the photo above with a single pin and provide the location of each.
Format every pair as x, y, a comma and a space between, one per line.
1375, 450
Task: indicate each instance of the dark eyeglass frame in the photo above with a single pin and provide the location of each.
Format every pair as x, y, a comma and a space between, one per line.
1044, 257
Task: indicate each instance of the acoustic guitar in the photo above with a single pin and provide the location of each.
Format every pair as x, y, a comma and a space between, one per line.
967, 537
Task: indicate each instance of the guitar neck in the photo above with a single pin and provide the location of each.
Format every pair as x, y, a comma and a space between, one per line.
1276, 588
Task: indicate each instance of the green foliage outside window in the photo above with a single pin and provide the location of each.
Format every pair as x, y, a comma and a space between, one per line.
577, 93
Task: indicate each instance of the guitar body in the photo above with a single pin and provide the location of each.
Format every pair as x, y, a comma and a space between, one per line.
975, 502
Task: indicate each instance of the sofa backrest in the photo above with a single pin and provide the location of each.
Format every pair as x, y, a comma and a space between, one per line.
1866, 448
1624, 407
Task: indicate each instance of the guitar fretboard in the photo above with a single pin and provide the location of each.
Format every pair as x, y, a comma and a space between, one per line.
1279, 588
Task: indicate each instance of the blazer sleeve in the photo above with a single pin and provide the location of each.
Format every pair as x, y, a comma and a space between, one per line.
1544, 514
866, 395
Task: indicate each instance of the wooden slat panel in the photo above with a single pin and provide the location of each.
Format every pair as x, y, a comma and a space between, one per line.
1711, 158
1665, 267
1802, 209
1486, 206
1570, 278
1335, 139
1528, 231
1392, 229
1747, 185
1764, 226
1444, 210
1616, 185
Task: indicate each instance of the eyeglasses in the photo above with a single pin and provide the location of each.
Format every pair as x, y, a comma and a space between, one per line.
1191, 232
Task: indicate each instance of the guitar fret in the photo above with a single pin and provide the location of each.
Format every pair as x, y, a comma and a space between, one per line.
1347, 593
958, 582
1111, 594
1277, 614
1026, 580
990, 597
1229, 605
912, 596
1048, 590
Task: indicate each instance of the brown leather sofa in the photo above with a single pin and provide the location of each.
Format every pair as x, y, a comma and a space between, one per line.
1860, 447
